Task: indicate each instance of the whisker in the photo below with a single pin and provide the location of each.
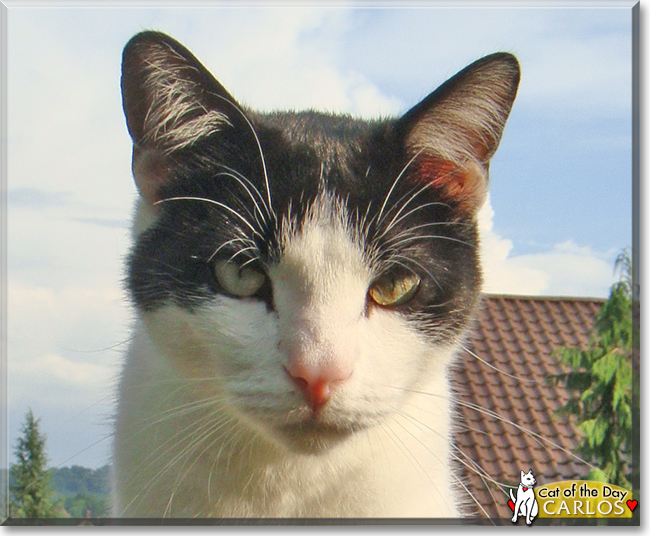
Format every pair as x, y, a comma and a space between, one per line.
401, 174
249, 261
190, 450
395, 221
423, 268
198, 425
213, 202
411, 230
432, 237
541, 440
249, 248
240, 177
424, 472
528, 380
227, 243
257, 140
420, 424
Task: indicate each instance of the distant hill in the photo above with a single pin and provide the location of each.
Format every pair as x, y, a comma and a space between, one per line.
77, 479
81, 491
84, 491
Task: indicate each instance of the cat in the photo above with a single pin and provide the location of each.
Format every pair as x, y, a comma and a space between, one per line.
525, 504
301, 283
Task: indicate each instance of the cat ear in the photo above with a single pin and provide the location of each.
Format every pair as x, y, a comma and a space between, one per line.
452, 134
170, 101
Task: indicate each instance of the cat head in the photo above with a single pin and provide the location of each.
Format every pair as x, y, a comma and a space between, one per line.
318, 266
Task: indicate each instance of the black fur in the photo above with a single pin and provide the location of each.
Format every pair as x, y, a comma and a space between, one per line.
305, 154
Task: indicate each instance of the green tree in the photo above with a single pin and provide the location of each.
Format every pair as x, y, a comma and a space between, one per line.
600, 377
31, 492
87, 505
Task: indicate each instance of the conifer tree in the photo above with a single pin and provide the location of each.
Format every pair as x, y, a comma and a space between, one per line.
31, 491
601, 380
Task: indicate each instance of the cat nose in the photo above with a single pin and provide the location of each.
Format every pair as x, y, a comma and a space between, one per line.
317, 382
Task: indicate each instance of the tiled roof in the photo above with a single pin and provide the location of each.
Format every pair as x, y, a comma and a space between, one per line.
508, 420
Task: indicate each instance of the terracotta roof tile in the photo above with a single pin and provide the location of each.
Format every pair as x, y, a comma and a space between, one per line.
507, 410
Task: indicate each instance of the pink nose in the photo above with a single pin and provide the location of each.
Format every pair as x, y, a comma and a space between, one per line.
317, 382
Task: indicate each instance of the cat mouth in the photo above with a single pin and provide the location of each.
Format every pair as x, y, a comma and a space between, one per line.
314, 434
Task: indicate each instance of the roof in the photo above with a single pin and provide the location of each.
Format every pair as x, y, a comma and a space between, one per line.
508, 420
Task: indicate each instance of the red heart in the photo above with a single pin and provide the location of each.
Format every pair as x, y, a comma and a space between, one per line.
525, 489
632, 505
512, 505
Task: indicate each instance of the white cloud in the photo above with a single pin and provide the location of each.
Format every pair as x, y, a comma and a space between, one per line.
501, 274
49, 368
63, 343
566, 270
64, 350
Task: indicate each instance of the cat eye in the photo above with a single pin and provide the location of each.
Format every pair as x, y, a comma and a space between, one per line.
237, 281
390, 291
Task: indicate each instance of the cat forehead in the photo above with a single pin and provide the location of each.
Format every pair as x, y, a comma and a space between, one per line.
316, 129
325, 249
331, 142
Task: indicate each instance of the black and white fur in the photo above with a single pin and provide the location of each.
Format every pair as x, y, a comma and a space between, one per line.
262, 379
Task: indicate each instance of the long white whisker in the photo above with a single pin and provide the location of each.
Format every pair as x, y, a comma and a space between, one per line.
411, 230
213, 202
420, 424
227, 243
242, 177
408, 259
401, 174
258, 210
471, 464
433, 237
497, 369
190, 450
249, 248
537, 437
403, 207
259, 145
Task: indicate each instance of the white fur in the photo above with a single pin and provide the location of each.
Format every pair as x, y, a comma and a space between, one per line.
204, 397
176, 117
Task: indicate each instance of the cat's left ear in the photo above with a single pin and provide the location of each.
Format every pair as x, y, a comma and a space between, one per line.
452, 134
171, 102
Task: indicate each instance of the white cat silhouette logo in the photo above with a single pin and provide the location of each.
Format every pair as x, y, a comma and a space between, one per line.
525, 504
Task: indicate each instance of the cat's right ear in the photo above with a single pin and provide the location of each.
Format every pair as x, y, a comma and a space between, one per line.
452, 134
170, 101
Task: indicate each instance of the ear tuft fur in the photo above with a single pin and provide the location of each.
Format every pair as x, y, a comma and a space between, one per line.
168, 96
170, 101
456, 130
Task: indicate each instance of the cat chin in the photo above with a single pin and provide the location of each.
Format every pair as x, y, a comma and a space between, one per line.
311, 435
313, 439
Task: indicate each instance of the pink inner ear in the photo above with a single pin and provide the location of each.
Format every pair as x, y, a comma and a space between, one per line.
150, 172
462, 185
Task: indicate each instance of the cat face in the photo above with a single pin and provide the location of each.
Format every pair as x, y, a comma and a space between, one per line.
317, 267
528, 479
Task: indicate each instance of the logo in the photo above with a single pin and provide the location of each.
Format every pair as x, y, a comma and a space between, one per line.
525, 504
570, 499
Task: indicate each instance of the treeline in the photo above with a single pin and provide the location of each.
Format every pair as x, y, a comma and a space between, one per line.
83, 492
38, 492
77, 491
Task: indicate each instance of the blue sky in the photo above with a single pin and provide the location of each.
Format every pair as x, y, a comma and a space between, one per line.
559, 210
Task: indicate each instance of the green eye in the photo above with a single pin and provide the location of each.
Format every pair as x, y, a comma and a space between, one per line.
391, 291
238, 282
